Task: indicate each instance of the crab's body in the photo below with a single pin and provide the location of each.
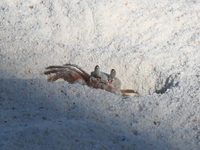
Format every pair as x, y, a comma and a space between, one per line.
100, 80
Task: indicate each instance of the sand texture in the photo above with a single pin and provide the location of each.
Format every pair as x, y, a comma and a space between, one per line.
153, 45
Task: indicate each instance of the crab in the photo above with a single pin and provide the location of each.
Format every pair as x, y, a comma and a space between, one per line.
97, 79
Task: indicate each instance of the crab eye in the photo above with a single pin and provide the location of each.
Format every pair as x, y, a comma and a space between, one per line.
112, 73
96, 67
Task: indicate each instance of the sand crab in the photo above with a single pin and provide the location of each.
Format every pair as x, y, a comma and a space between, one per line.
100, 80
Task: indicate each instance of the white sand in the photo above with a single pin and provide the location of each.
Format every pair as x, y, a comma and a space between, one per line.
154, 47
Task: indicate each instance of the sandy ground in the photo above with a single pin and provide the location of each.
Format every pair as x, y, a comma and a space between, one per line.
154, 47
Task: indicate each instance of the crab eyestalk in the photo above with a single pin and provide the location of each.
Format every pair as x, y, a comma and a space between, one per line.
97, 71
112, 75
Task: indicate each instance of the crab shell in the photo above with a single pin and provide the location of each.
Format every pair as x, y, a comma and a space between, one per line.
105, 81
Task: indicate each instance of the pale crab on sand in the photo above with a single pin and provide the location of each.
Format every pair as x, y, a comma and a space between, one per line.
99, 80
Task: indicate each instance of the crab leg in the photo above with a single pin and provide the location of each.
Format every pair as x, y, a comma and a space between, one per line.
68, 72
69, 76
54, 71
124, 91
58, 76
52, 67
79, 70
74, 68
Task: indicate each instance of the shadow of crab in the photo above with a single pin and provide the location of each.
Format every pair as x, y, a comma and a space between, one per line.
152, 82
